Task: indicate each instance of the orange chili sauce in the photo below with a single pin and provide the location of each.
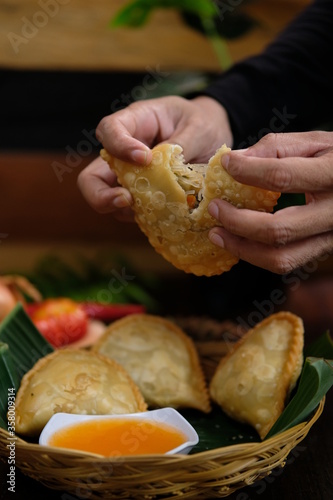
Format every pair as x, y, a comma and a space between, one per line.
119, 437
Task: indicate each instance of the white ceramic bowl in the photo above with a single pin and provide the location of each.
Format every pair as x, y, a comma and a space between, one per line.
168, 416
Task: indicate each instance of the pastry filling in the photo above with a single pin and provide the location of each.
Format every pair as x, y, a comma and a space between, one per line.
190, 178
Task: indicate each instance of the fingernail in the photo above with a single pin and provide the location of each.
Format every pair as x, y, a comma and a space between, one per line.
121, 201
216, 239
213, 210
139, 156
225, 161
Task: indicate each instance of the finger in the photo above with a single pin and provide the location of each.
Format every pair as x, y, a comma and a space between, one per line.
198, 150
200, 129
305, 144
122, 136
98, 185
280, 260
285, 175
281, 228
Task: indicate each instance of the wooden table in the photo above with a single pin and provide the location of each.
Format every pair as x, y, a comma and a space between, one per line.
74, 35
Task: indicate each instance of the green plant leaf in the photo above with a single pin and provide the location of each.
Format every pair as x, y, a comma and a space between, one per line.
133, 15
216, 430
3, 424
21, 346
136, 14
316, 379
25, 342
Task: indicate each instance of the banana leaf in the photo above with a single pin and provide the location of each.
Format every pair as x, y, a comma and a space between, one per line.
316, 379
3, 424
25, 342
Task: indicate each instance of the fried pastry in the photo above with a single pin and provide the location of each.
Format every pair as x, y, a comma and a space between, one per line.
74, 381
171, 200
161, 359
253, 381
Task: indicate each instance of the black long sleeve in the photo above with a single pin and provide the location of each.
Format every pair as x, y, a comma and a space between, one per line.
289, 87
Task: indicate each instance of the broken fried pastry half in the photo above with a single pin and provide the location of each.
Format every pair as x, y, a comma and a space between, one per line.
161, 359
252, 383
74, 381
171, 200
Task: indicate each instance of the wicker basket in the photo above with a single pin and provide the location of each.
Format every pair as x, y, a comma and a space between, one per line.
210, 474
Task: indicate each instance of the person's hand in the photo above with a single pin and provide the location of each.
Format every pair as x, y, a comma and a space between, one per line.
292, 236
199, 125
98, 185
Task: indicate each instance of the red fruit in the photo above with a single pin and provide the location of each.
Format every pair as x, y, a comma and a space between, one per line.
61, 321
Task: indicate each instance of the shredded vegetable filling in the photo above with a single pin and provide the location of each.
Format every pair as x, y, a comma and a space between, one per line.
190, 178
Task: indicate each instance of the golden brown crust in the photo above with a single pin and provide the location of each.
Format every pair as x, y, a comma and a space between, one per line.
74, 381
176, 230
161, 359
253, 381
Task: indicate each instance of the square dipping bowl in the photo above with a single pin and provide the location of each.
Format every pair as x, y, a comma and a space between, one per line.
169, 426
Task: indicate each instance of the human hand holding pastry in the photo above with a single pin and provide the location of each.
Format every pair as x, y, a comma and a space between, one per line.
292, 236
288, 163
170, 204
199, 125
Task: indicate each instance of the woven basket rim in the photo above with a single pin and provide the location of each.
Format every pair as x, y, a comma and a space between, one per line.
247, 449
215, 473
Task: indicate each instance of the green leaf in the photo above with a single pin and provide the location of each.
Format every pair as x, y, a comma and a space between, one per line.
316, 379
25, 342
220, 47
133, 15
21, 346
136, 13
3, 424
216, 430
